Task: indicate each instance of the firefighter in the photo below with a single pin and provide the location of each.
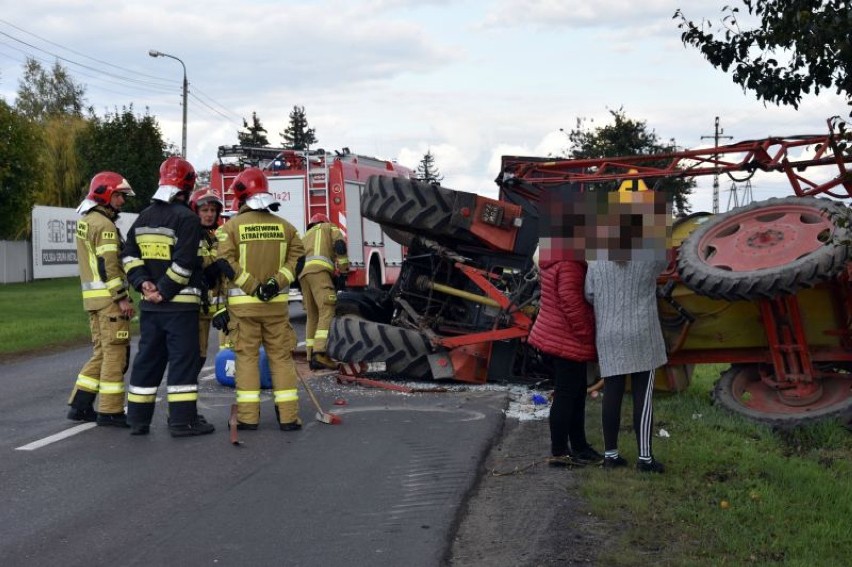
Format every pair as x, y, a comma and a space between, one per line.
258, 252
161, 259
208, 206
106, 299
325, 252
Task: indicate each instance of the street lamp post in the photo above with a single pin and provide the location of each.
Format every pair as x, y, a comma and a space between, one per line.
155, 53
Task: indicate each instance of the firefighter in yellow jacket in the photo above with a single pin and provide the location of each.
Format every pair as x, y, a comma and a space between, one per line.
325, 252
258, 252
208, 206
106, 299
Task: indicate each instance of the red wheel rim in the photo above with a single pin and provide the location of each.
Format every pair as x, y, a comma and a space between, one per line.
763, 238
749, 390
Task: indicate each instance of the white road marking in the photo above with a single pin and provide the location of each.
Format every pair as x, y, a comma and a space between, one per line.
56, 437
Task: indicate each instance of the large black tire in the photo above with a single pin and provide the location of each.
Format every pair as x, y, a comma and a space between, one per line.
739, 390
422, 208
404, 352
819, 263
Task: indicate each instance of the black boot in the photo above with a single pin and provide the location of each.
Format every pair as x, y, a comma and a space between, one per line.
140, 429
321, 361
82, 407
197, 426
113, 419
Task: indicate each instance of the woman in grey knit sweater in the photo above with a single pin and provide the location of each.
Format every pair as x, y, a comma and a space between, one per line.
629, 341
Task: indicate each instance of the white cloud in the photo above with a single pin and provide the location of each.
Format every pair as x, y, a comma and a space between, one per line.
610, 14
393, 78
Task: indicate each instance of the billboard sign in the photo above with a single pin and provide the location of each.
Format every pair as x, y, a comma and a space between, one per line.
54, 247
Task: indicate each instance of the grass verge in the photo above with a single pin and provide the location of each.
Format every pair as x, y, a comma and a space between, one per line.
43, 315
734, 492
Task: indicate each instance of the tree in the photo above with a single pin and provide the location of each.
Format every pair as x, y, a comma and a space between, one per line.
127, 144
298, 136
254, 135
42, 93
797, 47
629, 137
61, 164
426, 169
20, 174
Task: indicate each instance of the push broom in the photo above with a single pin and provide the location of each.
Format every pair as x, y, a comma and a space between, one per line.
322, 416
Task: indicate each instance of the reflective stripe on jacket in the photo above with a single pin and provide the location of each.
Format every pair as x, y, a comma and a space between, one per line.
258, 245
162, 247
319, 249
102, 277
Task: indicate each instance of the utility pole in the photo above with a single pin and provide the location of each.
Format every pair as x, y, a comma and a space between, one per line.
716, 137
155, 53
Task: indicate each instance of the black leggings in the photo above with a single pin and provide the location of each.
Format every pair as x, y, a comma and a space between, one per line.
643, 413
568, 412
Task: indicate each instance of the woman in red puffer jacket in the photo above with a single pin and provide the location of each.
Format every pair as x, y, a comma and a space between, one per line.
565, 330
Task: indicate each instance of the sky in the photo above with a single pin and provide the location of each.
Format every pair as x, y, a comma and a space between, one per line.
468, 80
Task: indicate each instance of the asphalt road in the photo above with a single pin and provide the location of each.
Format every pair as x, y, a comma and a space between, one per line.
386, 487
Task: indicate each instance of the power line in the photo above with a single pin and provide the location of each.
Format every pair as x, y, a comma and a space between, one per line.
159, 87
47, 63
82, 54
83, 65
226, 117
213, 101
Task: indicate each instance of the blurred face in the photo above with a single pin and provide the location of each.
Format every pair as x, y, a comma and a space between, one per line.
207, 214
620, 226
117, 201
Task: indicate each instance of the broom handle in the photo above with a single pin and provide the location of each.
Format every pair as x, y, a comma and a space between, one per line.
310, 392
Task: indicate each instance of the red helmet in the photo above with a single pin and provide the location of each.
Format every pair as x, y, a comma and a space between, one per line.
177, 172
104, 184
318, 218
204, 196
249, 182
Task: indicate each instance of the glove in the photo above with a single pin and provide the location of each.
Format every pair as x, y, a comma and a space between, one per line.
340, 281
211, 274
225, 268
220, 321
267, 291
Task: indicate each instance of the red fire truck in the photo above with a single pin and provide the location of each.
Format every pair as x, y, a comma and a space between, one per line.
310, 182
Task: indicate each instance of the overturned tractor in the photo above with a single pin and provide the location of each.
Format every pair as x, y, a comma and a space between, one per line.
764, 287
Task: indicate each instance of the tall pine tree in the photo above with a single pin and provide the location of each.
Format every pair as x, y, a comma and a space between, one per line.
254, 135
298, 136
427, 170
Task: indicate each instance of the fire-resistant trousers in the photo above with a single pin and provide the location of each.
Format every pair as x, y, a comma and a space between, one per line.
165, 338
273, 332
318, 299
204, 320
104, 372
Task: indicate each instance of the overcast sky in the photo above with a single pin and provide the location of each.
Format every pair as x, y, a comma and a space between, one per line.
471, 80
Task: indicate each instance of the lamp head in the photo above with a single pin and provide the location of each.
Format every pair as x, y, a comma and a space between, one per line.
154, 53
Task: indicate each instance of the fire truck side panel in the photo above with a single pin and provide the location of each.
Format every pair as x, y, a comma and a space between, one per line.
334, 188
372, 231
290, 192
393, 252
354, 230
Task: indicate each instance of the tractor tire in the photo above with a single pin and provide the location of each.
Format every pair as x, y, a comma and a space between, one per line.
740, 391
405, 352
766, 249
418, 207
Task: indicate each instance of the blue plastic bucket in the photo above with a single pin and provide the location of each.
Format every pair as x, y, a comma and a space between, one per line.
226, 368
